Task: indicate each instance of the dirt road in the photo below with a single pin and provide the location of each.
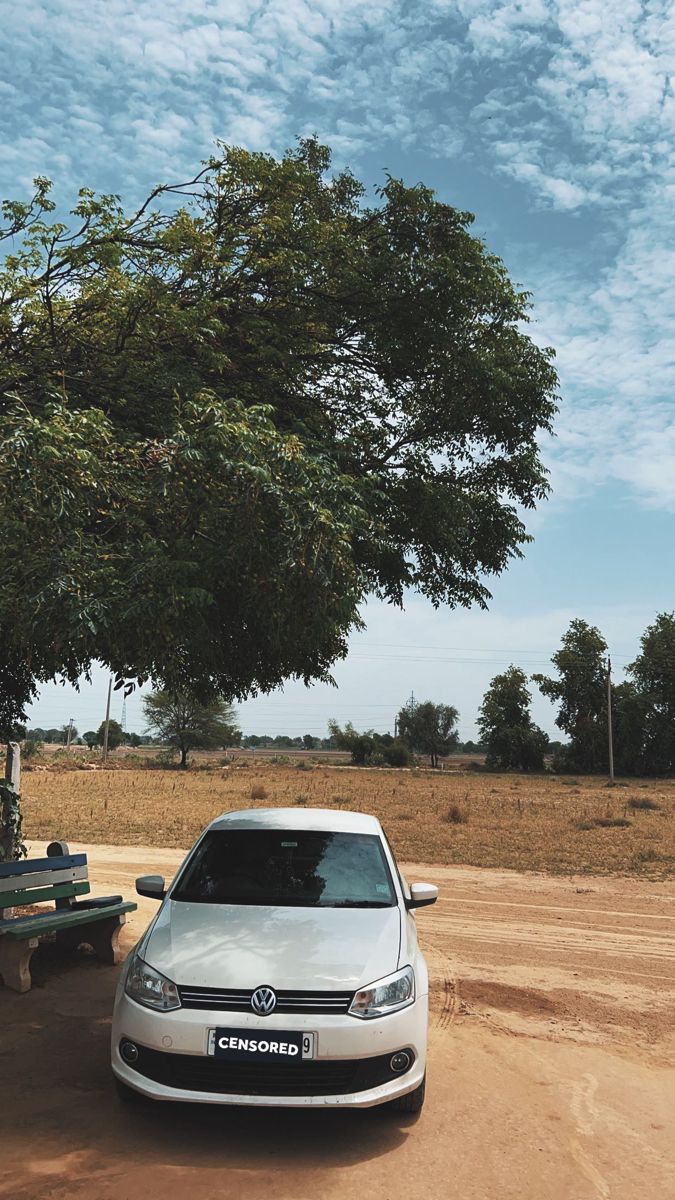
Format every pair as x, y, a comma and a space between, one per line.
552, 1065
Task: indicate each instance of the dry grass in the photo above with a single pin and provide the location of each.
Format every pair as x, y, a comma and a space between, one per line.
541, 823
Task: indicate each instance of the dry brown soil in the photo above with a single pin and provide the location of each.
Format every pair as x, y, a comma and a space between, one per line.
539, 822
551, 1072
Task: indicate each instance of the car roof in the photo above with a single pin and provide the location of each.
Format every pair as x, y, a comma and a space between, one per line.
324, 819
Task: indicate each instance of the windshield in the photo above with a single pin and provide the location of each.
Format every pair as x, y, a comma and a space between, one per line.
287, 867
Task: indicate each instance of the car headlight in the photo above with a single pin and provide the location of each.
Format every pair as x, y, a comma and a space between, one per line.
385, 995
147, 986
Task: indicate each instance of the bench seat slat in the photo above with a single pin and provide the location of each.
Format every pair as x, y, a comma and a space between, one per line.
25, 927
41, 879
25, 866
40, 895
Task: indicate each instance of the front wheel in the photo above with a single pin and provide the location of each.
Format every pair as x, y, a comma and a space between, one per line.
412, 1102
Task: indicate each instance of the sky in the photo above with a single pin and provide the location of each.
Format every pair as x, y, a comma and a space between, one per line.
553, 122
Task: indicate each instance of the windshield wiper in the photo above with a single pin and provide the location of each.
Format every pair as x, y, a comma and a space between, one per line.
360, 904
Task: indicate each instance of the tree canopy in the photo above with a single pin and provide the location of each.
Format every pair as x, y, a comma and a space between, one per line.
370, 748
116, 735
511, 739
581, 693
228, 416
180, 720
651, 702
429, 728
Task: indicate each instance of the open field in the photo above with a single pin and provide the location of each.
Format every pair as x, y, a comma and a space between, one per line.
551, 1064
542, 823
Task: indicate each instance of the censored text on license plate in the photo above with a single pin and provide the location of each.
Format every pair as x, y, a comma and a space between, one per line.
242, 1045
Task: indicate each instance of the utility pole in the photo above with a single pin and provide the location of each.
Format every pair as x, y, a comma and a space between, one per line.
609, 721
107, 722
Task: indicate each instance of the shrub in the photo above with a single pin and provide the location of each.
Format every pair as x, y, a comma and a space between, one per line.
31, 748
258, 792
644, 802
605, 823
456, 815
646, 856
397, 754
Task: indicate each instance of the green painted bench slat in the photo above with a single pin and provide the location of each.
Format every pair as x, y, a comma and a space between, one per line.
59, 877
25, 927
40, 895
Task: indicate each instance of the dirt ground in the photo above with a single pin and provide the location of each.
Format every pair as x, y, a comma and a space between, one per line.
546, 823
551, 1069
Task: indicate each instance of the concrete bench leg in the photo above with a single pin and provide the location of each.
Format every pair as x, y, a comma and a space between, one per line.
102, 936
15, 959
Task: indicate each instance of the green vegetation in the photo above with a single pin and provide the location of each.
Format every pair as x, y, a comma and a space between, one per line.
116, 735
224, 423
581, 693
643, 706
370, 749
184, 722
512, 741
429, 728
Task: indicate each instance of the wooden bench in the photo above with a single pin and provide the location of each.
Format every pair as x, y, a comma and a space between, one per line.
63, 878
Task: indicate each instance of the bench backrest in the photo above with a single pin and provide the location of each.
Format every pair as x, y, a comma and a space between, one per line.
33, 880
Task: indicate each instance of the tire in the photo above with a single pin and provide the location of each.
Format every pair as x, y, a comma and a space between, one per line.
127, 1094
412, 1102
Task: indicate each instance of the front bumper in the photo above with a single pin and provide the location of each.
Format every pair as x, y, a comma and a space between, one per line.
185, 1032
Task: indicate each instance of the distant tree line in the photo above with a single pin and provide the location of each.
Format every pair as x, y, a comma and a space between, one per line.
642, 708
643, 717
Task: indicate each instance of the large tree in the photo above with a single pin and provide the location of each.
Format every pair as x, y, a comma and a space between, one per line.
228, 416
511, 739
429, 728
580, 690
116, 735
651, 703
182, 721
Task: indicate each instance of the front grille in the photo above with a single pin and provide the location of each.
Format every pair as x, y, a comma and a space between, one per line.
239, 1000
202, 1073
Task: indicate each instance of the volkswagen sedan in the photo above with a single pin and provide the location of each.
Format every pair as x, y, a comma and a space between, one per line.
282, 968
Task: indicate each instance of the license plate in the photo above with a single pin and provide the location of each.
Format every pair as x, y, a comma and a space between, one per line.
244, 1045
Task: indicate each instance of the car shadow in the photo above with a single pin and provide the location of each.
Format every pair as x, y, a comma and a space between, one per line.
54, 1062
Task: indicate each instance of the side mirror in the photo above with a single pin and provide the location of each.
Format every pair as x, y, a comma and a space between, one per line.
151, 886
422, 894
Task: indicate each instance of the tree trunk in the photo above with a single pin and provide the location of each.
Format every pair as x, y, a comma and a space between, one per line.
183, 757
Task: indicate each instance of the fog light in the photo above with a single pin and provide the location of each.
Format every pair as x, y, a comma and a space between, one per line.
129, 1052
401, 1061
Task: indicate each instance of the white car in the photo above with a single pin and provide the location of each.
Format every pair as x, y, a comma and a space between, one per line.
282, 969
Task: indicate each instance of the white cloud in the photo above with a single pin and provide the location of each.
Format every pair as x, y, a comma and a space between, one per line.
568, 100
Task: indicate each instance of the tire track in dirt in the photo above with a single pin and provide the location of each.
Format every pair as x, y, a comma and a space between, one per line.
581, 970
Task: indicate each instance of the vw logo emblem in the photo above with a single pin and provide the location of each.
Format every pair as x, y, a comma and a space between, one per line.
263, 1001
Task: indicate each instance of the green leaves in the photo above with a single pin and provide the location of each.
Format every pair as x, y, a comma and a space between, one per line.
179, 720
219, 557
512, 740
429, 728
581, 691
229, 415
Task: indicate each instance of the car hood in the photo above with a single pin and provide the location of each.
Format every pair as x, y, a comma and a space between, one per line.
238, 946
